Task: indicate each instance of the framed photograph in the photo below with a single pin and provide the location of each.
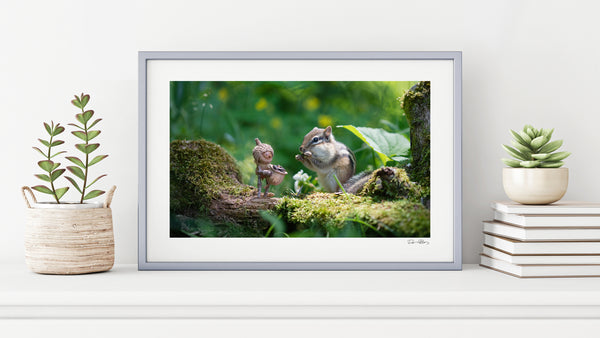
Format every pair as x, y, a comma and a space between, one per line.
300, 161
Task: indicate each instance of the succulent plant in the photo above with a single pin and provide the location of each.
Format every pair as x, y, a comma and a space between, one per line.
48, 165
532, 149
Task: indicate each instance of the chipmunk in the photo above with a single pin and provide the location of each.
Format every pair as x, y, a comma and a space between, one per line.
320, 152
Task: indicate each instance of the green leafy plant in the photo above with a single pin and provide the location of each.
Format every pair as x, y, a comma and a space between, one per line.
532, 149
388, 146
81, 168
49, 166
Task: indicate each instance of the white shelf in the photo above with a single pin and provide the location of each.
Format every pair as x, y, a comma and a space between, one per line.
125, 292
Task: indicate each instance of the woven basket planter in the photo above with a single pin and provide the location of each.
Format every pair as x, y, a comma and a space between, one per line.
69, 241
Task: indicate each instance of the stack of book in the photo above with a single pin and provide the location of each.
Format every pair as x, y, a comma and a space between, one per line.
556, 240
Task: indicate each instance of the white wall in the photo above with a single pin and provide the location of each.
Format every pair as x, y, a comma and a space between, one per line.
532, 62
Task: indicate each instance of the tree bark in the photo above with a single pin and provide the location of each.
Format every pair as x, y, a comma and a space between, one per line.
416, 104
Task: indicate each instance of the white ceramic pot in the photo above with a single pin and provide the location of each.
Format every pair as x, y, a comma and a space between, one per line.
535, 185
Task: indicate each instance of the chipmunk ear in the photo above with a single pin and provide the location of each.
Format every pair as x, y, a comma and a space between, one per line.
328, 131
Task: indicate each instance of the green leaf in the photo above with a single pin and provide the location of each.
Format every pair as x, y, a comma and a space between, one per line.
384, 143
60, 152
48, 128
519, 139
80, 147
76, 102
531, 133
76, 161
540, 157
527, 126
43, 188
74, 125
76, 171
70, 179
91, 147
93, 193
548, 133
44, 142
530, 164
79, 134
538, 142
41, 152
84, 99
523, 149
56, 165
87, 115
552, 164
97, 159
58, 130
525, 137
550, 147
57, 143
561, 155
92, 134
79, 118
511, 163
94, 123
46, 165
61, 191
43, 177
56, 174
94, 181
515, 153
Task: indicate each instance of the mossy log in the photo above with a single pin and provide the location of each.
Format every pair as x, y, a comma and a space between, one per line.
416, 104
205, 183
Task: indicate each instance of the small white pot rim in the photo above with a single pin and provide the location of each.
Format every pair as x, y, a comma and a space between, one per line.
67, 205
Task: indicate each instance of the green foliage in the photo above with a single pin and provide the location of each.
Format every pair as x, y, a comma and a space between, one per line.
335, 215
80, 170
532, 149
389, 147
50, 167
233, 113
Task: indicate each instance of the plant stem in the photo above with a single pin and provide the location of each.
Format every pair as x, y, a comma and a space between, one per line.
85, 175
50, 173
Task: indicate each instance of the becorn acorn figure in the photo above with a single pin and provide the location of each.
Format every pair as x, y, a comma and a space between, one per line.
272, 174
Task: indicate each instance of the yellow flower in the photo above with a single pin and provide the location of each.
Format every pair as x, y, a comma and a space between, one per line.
261, 104
312, 103
276, 123
223, 94
324, 121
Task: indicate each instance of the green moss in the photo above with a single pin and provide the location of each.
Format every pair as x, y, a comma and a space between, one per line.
416, 104
389, 183
201, 171
338, 215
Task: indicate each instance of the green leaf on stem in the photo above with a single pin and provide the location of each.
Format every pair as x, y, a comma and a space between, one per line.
84, 99
48, 128
76, 161
97, 159
97, 178
44, 142
60, 152
76, 102
92, 134
57, 143
74, 125
93, 193
43, 177
61, 191
87, 115
72, 180
42, 188
58, 130
94, 123
41, 152
79, 134
91, 147
46, 165
56, 174
76, 171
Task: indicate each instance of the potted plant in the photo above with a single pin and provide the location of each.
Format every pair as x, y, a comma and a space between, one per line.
535, 175
75, 237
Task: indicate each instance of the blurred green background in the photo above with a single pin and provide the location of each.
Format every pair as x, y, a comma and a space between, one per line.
233, 113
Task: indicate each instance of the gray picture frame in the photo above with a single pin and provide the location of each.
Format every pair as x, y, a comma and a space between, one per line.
145, 264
